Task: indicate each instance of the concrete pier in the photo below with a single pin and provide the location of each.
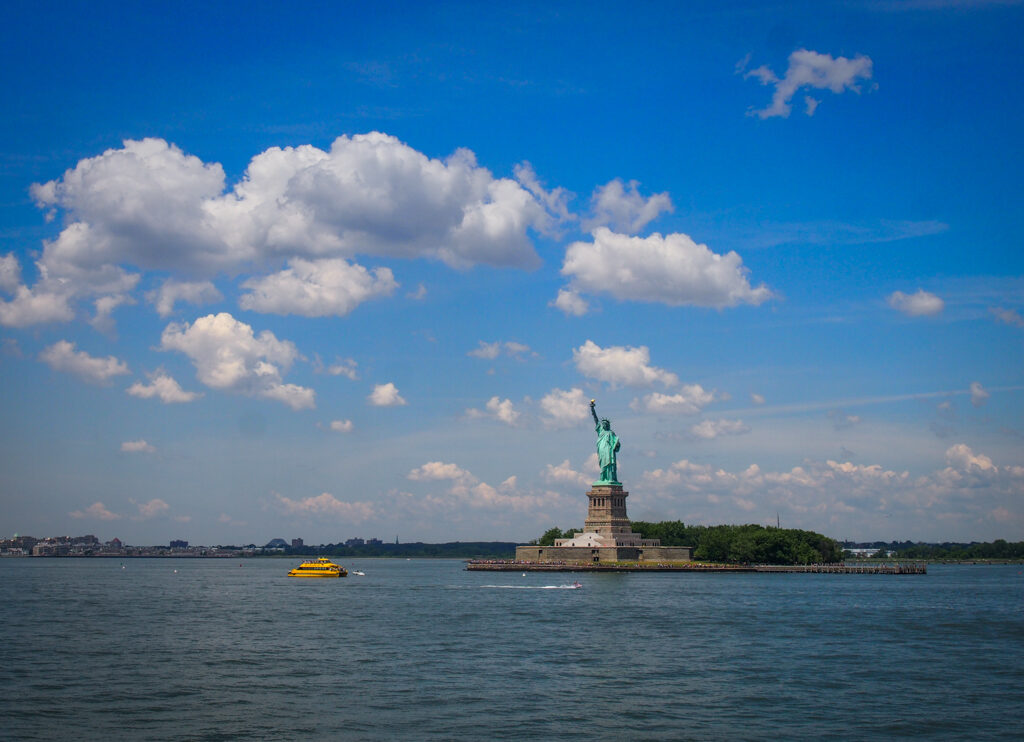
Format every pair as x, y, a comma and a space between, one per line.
478, 565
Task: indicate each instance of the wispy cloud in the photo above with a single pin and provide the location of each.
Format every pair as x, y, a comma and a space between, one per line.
139, 446
826, 232
861, 401
711, 429
1008, 316
491, 351
810, 69
97, 511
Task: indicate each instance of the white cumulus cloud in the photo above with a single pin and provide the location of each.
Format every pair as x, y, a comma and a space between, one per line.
467, 489
670, 269
151, 205
341, 426
570, 302
979, 395
556, 201
326, 504
710, 429
163, 387
618, 364
564, 409
143, 203
192, 292
229, 356
386, 395
439, 470
689, 400
961, 457
103, 319
969, 491
919, 304
317, 288
10, 273
621, 207
499, 409
62, 356
564, 474
810, 69
33, 307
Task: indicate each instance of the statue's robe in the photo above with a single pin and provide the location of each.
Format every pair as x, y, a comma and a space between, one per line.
607, 445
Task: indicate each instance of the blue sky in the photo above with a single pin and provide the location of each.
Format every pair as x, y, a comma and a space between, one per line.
340, 271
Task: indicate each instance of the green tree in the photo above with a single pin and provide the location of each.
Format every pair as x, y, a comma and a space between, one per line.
746, 547
548, 539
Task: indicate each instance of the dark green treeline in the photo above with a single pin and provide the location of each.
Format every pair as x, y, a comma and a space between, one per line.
998, 549
749, 544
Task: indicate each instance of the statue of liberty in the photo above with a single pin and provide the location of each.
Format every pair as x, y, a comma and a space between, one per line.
607, 447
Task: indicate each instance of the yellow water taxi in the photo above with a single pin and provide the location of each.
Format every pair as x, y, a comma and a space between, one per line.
320, 567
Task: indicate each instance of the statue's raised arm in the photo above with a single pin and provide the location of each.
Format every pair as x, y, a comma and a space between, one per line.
593, 414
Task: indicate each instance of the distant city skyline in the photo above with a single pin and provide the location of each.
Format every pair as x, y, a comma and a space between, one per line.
268, 270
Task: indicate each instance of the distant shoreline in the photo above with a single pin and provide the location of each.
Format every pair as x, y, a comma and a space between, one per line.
848, 562
289, 557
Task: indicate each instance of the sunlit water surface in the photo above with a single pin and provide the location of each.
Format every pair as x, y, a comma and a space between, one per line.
154, 649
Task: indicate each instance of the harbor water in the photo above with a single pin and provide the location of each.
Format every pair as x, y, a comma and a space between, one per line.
205, 649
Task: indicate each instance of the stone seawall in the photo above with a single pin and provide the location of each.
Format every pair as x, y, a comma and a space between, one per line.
587, 555
834, 569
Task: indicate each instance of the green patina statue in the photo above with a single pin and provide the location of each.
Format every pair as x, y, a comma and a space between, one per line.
607, 447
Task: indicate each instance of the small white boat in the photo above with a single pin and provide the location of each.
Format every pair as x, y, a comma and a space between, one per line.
357, 572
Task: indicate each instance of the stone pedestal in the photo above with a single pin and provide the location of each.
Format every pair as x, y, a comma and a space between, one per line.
606, 513
607, 536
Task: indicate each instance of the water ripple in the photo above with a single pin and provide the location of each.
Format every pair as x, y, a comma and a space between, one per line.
422, 650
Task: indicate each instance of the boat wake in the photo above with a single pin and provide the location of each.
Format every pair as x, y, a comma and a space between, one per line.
575, 586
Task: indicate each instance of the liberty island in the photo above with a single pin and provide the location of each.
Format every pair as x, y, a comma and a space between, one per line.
608, 542
607, 535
